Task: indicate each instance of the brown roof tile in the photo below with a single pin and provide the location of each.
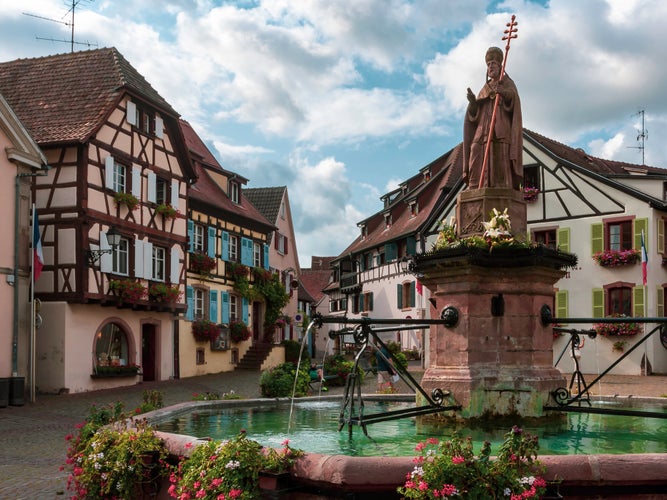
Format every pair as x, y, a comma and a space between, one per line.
65, 97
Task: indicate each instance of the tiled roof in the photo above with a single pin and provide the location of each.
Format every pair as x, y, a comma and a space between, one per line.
65, 97
598, 165
267, 200
208, 192
445, 173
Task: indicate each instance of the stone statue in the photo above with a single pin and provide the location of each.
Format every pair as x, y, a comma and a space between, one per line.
504, 167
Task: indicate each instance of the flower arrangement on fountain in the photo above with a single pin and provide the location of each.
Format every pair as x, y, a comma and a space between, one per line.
497, 234
239, 331
228, 469
451, 470
617, 329
613, 258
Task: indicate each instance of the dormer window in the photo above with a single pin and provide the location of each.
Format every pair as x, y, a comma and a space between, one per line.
414, 208
427, 175
364, 231
387, 220
234, 191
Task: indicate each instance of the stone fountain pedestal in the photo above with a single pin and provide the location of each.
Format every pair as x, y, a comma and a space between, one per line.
497, 360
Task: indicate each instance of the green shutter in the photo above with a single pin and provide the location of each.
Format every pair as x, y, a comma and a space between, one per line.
370, 301
598, 303
641, 225
563, 239
411, 245
597, 239
660, 302
399, 296
562, 304
638, 301
660, 235
412, 294
390, 252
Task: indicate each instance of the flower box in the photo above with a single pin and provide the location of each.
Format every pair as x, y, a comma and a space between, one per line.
127, 199
166, 211
201, 263
204, 330
239, 331
614, 258
161, 292
102, 371
530, 194
617, 329
128, 291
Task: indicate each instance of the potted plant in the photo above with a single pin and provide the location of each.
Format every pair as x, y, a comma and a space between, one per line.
201, 263
613, 258
166, 210
204, 330
619, 345
161, 292
106, 371
530, 193
239, 331
127, 199
127, 290
274, 474
451, 469
117, 461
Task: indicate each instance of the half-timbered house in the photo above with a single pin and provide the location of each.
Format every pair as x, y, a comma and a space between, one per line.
273, 203
22, 159
227, 240
112, 218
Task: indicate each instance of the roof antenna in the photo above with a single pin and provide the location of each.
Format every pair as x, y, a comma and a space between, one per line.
71, 41
641, 136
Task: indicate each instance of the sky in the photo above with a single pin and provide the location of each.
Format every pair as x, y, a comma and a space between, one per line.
342, 100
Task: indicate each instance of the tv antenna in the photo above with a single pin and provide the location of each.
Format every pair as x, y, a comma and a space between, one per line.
71, 41
642, 135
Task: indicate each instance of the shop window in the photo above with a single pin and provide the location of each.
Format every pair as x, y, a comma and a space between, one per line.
112, 347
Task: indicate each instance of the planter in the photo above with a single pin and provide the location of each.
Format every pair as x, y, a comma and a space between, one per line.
273, 481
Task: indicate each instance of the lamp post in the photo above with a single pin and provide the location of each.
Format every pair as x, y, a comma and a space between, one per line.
113, 239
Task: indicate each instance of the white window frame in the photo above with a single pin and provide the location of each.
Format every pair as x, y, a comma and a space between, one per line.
198, 238
159, 263
233, 307
233, 248
256, 254
234, 191
120, 263
199, 300
119, 177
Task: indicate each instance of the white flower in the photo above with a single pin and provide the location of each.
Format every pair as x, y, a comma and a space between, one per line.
507, 492
527, 480
232, 464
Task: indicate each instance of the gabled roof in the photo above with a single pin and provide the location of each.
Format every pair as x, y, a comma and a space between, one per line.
207, 192
66, 97
267, 200
316, 278
445, 174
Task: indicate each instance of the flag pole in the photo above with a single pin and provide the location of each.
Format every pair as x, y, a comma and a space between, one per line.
32, 312
644, 259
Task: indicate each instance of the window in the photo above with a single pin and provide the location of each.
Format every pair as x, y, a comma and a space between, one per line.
531, 176
159, 258
120, 256
119, 178
257, 255
112, 346
363, 302
387, 221
405, 295
619, 235
281, 243
200, 356
233, 248
414, 209
233, 308
161, 191
199, 303
234, 192
546, 237
619, 301
198, 238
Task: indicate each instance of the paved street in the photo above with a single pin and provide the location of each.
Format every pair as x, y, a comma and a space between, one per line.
32, 437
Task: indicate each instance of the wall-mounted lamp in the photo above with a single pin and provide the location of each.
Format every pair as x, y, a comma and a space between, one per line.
113, 239
406, 264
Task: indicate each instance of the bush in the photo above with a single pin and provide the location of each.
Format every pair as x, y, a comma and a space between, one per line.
292, 349
278, 382
338, 365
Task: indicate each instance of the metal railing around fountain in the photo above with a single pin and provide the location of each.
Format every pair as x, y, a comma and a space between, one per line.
352, 406
568, 401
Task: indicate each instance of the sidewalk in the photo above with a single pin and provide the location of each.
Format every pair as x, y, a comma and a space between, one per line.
32, 437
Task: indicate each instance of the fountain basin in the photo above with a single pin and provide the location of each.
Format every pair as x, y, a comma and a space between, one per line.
333, 475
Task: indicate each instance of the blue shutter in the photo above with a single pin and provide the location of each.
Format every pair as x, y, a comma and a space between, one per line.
244, 310
266, 256
224, 301
224, 241
246, 252
213, 306
411, 245
211, 242
189, 300
191, 231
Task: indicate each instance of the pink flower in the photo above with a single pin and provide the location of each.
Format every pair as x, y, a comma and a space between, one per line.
420, 446
188, 445
172, 491
432, 441
286, 442
235, 493
216, 482
449, 489
201, 493
423, 486
458, 459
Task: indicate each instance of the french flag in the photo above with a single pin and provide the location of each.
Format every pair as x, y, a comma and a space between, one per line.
644, 261
38, 258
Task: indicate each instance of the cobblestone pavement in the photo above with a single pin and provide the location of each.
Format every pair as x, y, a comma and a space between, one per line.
32, 436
